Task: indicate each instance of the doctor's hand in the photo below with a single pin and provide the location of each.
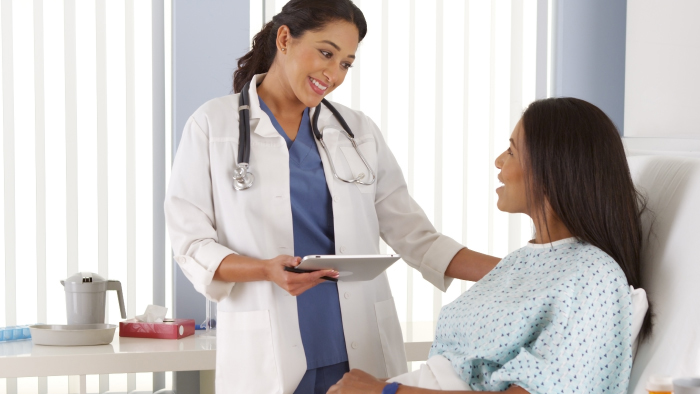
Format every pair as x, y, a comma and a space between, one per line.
295, 284
357, 382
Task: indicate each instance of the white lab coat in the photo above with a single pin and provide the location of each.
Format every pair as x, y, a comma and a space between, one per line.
259, 348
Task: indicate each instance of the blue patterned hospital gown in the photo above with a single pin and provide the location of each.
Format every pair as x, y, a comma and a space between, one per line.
553, 318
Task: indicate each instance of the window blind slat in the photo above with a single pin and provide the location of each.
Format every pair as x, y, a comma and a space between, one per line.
55, 159
516, 103
159, 148
71, 116
168, 251
117, 142
542, 25
71, 119
131, 191
86, 136
130, 161
102, 146
384, 126
25, 162
465, 133
102, 154
143, 157
410, 176
40, 164
492, 120
356, 75
8, 147
3, 109
438, 133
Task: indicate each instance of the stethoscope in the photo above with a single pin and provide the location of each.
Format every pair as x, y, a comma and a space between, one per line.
243, 179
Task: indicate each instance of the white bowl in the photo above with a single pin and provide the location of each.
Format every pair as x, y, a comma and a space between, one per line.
72, 334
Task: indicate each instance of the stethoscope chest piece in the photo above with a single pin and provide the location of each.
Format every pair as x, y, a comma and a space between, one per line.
242, 179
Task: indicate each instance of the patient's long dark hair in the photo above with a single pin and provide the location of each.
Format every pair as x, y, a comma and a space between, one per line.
575, 161
299, 16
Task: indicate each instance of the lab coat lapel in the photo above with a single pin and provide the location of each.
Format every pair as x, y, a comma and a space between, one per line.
260, 123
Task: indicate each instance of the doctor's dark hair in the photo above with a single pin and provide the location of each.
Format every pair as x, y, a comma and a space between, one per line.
299, 16
575, 161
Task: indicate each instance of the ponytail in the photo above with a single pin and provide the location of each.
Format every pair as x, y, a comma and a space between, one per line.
258, 60
299, 16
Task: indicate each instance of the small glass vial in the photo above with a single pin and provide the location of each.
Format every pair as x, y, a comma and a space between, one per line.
210, 319
659, 384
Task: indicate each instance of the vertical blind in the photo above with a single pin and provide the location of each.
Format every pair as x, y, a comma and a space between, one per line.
77, 159
446, 81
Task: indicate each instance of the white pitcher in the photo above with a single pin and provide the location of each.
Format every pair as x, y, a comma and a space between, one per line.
85, 297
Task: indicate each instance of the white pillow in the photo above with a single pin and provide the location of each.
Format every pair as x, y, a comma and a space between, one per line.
640, 305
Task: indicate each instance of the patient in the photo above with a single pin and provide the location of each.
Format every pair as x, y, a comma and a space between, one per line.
556, 315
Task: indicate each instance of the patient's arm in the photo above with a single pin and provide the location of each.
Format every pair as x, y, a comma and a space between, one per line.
470, 265
360, 382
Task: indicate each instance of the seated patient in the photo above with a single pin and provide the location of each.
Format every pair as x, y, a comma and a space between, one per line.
556, 315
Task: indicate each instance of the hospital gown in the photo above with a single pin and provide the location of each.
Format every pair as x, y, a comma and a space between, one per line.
553, 318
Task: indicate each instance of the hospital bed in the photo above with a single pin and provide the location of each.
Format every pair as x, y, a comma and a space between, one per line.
671, 265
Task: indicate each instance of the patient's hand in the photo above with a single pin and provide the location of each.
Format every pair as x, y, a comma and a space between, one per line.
357, 382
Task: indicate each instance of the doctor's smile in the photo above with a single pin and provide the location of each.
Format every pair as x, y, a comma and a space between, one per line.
317, 86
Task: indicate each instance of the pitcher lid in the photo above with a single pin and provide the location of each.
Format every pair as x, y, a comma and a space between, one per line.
85, 277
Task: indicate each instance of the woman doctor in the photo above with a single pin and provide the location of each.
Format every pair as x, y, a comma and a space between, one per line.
283, 332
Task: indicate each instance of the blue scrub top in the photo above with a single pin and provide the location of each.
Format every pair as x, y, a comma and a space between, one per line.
320, 322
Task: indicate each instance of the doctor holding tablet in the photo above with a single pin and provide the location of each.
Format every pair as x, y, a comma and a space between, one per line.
274, 173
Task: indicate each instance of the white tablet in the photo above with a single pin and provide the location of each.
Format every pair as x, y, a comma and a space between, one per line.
355, 268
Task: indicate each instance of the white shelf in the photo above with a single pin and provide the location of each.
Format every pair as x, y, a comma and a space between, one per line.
123, 355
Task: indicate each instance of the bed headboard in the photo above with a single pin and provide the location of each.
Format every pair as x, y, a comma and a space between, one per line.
670, 266
682, 147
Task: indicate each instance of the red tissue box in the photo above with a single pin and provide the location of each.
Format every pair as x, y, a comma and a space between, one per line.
169, 329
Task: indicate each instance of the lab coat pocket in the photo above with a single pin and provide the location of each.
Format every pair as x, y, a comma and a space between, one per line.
358, 167
246, 360
391, 337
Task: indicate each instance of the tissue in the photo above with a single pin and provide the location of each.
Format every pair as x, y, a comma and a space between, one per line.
153, 314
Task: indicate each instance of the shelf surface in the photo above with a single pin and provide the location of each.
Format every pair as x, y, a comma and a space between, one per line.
123, 355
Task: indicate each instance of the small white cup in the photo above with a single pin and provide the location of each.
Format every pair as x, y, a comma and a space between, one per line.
686, 386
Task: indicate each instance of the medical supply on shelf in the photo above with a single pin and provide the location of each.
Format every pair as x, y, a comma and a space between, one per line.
85, 297
659, 384
14, 333
72, 334
209, 323
168, 329
153, 314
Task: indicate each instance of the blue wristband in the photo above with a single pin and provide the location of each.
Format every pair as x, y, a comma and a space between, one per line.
390, 388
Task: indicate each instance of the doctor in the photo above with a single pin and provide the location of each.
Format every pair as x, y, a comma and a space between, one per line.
282, 332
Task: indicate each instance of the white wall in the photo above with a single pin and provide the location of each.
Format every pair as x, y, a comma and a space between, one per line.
662, 85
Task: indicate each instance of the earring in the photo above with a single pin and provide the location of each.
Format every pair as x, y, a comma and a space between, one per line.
284, 49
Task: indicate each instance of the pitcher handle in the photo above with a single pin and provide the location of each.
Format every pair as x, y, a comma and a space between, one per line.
117, 285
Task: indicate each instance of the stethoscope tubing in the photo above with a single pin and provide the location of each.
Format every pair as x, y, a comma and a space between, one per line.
244, 126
